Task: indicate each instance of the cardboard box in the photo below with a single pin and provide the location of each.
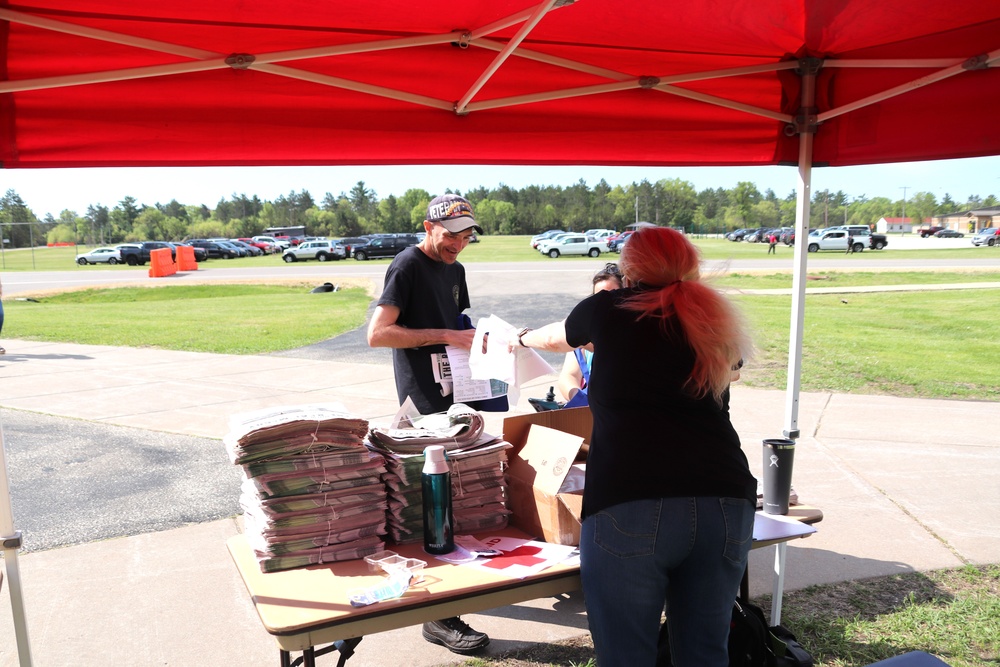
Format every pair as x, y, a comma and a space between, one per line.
545, 446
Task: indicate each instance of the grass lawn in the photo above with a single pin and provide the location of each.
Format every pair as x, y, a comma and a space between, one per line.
917, 344
953, 614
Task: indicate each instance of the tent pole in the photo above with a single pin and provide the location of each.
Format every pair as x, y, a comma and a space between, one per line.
805, 126
11, 543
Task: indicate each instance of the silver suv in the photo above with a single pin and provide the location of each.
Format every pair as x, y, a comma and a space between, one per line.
322, 251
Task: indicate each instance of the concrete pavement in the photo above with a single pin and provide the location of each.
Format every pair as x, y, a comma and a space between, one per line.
904, 484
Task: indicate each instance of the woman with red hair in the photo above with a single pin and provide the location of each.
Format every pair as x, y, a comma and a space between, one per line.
668, 502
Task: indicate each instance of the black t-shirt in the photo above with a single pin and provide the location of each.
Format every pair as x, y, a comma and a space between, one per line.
651, 439
429, 295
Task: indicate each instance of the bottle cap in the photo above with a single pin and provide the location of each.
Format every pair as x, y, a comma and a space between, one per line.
435, 462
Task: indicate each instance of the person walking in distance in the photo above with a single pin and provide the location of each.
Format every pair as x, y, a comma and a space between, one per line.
772, 242
417, 315
850, 244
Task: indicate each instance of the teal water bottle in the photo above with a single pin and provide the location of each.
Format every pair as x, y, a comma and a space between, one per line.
439, 536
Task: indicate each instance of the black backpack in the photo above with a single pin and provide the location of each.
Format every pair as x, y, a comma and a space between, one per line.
751, 642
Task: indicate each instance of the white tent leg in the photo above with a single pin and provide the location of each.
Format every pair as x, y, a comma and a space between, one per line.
11, 542
806, 128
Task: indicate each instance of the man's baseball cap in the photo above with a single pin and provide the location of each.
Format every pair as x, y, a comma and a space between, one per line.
452, 212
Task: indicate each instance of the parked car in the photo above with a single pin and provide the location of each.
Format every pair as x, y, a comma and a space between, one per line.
137, 254
200, 254
614, 242
214, 250
252, 250
236, 250
572, 244
321, 251
538, 238
929, 231
100, 256
351, 242
949, 234
988, 237
385, 246
280, 245
266, 247
738, 234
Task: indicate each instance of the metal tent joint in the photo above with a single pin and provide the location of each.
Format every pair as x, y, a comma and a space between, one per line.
649, 81
806, 122
12, 541
981, 61
240, 60
463, 41
809, 66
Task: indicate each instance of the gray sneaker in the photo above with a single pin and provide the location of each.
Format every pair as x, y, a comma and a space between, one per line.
455, 635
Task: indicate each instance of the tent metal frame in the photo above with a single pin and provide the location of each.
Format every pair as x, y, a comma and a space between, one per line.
805, 125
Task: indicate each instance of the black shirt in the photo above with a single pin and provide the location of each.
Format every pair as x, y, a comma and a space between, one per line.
430, 295
651, 439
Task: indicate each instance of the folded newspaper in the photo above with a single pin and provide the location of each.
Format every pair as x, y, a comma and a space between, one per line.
459, 427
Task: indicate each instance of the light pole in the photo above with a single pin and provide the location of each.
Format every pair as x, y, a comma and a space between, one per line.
904, 189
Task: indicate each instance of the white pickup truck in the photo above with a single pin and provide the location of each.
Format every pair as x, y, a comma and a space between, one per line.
572, 244
836, 239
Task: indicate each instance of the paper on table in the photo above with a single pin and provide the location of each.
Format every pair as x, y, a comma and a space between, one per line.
494, 360
520, 558
778, 527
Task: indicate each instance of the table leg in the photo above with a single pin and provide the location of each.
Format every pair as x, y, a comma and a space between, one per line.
285, 658
779, 582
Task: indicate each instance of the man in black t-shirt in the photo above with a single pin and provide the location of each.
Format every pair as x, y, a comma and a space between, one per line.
417, 315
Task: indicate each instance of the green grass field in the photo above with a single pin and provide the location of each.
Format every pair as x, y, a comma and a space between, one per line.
917, 344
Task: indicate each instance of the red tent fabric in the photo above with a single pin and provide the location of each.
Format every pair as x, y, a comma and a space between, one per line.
117, 82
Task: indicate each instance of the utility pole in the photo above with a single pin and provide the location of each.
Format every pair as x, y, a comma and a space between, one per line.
904, 189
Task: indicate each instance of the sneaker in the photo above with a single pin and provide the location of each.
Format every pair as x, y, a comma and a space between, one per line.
455, 635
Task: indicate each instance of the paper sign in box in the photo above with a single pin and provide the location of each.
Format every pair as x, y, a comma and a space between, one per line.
543, 458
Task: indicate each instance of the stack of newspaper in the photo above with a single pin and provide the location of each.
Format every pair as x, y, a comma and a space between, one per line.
476, 459
313, 492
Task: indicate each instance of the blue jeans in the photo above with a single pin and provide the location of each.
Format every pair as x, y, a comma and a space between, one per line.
687, 553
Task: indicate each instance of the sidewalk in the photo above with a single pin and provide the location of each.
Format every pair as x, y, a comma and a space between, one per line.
895, 478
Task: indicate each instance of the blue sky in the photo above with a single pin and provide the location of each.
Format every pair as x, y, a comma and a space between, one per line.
53, 190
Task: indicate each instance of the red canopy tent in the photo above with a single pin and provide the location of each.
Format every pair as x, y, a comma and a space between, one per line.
88, 83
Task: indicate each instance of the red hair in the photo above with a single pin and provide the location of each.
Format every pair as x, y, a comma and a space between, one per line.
663, 262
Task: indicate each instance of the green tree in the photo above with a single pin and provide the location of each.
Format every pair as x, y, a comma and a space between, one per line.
22, 227
123, 218
98, 221
745, 196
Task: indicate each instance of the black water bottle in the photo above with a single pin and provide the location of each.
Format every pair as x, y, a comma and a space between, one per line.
439, 536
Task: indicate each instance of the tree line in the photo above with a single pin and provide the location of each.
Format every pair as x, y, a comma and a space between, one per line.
499, 210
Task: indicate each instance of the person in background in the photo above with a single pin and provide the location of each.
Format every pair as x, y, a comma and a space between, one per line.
417, 315
576, 366
772, 242
669, 500
850, 244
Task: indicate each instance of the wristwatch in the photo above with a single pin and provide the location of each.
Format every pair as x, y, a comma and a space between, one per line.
520, 334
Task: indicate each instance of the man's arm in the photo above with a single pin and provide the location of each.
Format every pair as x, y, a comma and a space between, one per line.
384, 332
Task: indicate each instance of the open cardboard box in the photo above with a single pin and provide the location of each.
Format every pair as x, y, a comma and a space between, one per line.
545, 446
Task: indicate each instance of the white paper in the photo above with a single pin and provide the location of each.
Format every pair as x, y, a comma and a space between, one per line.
494, 360
778, 527
466, 387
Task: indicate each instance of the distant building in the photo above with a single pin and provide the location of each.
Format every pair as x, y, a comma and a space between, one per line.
971, 221
885, 225
294, 230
